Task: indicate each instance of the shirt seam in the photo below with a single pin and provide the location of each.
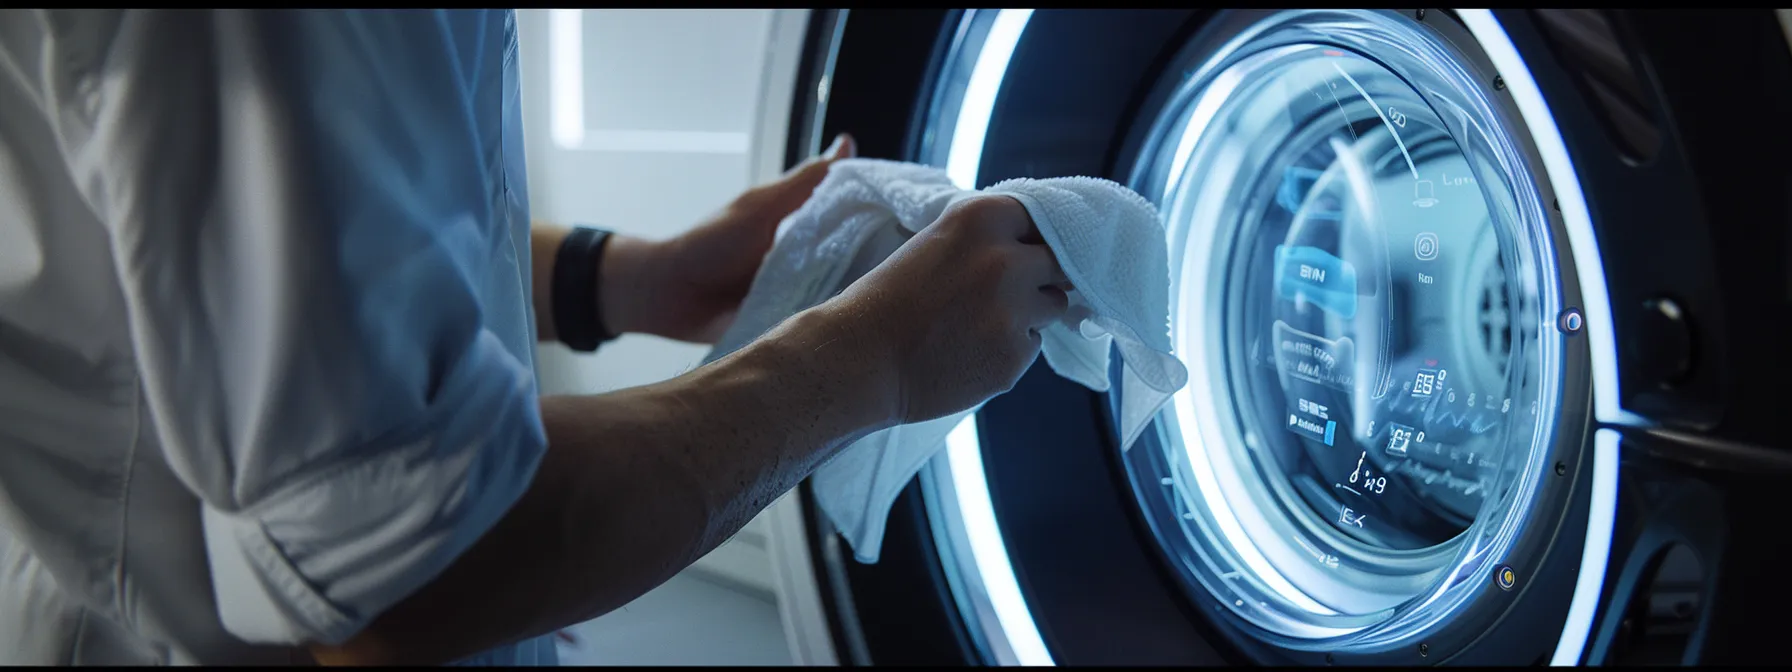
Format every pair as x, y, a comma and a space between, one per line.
124, 498
74, 644
403, 443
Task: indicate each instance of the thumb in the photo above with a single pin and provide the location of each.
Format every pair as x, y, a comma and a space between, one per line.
816, 167
802, 180
843, 148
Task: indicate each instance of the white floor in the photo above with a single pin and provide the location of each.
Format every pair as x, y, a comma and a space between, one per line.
689, 620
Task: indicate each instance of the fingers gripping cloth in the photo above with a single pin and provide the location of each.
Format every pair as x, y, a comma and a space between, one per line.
1107, 239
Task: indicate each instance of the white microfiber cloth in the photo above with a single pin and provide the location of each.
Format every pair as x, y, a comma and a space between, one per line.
1107, 239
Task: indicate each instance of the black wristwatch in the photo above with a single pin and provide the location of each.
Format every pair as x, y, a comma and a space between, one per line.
577, 320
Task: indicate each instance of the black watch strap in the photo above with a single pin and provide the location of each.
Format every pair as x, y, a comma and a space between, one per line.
577, 320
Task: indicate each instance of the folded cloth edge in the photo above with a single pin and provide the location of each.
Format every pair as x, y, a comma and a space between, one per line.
1101, 311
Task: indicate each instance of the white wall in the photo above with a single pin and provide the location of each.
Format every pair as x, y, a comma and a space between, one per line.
644, 122
657, 84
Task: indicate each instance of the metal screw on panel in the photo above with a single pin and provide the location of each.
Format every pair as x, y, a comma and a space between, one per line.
1424, 650
1571, 321
1505, 577
1499, 83
1420, 15
1561, 469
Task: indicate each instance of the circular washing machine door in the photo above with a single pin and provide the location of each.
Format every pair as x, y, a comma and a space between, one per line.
1386, 340
1400, 440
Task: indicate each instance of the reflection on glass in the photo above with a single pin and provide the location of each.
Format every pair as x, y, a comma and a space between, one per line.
1358, 297
1373, 322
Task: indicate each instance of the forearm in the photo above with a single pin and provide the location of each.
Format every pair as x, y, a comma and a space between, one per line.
635, 486
625, 286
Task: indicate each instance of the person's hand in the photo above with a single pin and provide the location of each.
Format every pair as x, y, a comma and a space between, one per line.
956, 311
690, 287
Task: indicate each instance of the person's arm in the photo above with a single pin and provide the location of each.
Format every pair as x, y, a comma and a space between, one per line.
685, 288
639, 483
308, 296
628, 278
636, 485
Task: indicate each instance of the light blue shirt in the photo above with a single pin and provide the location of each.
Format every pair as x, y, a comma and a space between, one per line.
266, 350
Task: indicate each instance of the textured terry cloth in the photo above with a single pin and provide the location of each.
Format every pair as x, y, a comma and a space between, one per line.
1107, 239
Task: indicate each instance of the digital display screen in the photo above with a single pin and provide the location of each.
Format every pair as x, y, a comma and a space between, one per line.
1370, 315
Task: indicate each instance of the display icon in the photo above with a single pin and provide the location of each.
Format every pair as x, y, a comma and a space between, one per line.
1399, 438
1318, 276
1425, 383
1312, 429
1423, 194
1424, 246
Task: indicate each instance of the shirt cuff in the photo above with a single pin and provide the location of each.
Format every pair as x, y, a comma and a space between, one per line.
317, 561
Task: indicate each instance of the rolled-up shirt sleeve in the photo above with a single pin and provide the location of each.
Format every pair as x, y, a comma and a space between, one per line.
309, 226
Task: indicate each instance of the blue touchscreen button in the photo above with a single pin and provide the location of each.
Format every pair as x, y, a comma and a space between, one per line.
1313, 273
1292, 194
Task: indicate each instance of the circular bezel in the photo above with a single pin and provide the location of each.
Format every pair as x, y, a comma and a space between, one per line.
1515, 529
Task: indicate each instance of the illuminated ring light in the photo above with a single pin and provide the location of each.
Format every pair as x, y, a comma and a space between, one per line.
1604, 353
982, 578
958, 501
